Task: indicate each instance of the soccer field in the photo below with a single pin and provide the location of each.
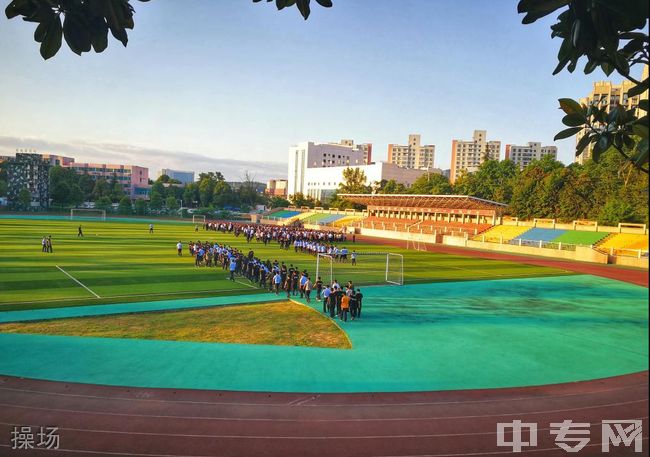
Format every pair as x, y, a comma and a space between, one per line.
119, 261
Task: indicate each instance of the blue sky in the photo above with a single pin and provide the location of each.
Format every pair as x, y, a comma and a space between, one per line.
230, 85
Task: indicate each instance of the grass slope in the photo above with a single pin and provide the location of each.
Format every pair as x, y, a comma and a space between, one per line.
121, 262
280, 323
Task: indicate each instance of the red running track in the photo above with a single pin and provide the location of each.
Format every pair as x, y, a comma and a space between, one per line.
98, 420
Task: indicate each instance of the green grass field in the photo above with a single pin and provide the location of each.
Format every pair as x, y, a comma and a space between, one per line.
119, 261
283, 323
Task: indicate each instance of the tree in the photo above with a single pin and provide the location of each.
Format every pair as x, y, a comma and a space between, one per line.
248, 194
87, 184
155, 201
125, 206
101, 189
24, 199
223, 195
140, 207
611, 35
431, 184
159, 188
103, 203
299, 199
278, 202
391, 187
117, 191
493, 181
86, 23
171, 203
354, 182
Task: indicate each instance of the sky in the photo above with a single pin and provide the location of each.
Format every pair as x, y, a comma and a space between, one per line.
228, 86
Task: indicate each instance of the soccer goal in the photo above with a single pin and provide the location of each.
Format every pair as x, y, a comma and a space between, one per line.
83, 213
198, 218
368, 268
415, 244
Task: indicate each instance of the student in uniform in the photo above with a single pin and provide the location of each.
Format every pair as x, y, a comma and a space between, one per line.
307, 289
48, 244
319, 288
179, 248
80, 233
359, 297
150, 228
354, 306
233, 267
326, 299
44, 244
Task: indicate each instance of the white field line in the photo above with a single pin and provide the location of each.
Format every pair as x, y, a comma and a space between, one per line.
152, 294
247, 285
77, 281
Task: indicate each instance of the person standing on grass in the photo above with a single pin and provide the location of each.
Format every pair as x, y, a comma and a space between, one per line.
48, 244
150, 228
326, 299
179, 248
44, 244
353, 256
233, 266
80, 233
303, 280
345, 306
277, 280
319, 288
307, 287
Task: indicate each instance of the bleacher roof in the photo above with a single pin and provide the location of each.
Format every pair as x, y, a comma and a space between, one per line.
464, 203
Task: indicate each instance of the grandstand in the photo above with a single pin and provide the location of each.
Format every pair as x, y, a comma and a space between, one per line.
626, 244
501, 233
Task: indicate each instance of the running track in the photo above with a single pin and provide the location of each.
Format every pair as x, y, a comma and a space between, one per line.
119, 421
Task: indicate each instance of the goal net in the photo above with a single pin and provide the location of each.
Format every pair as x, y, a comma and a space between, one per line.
82, 213
198, 218
362, 268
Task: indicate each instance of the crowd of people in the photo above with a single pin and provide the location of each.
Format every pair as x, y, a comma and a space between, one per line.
278, 277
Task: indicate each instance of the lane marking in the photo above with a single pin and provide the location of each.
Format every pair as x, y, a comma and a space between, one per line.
325, 405
301, 420
76, 280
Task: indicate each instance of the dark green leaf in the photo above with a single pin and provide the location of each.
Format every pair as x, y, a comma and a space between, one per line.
582, 144
643, 105
325, 3
52, 40
76, 34
303, 7
567, 133
574, 120
640, 130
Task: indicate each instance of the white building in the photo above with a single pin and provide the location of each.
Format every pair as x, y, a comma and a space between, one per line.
306, 155
185, 177
524, 155
321, 183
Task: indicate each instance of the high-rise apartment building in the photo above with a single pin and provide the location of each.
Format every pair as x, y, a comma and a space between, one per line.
412, 155
31, 172
524, 155
607, 94
318, 155
469, 155
276, 187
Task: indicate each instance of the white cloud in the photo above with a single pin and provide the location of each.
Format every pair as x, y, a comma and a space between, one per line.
152, 158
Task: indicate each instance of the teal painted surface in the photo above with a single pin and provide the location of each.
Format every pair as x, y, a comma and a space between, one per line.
461, 335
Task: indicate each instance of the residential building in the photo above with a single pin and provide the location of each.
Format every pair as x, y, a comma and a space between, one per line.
134, 179
412, 155
28, 171
184, 177
607, 94
307, 154
277, 188
469, 155
524, 155
57, 160
321, 182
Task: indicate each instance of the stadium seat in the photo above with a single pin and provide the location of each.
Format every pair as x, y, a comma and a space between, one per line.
500, 233
624, 244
